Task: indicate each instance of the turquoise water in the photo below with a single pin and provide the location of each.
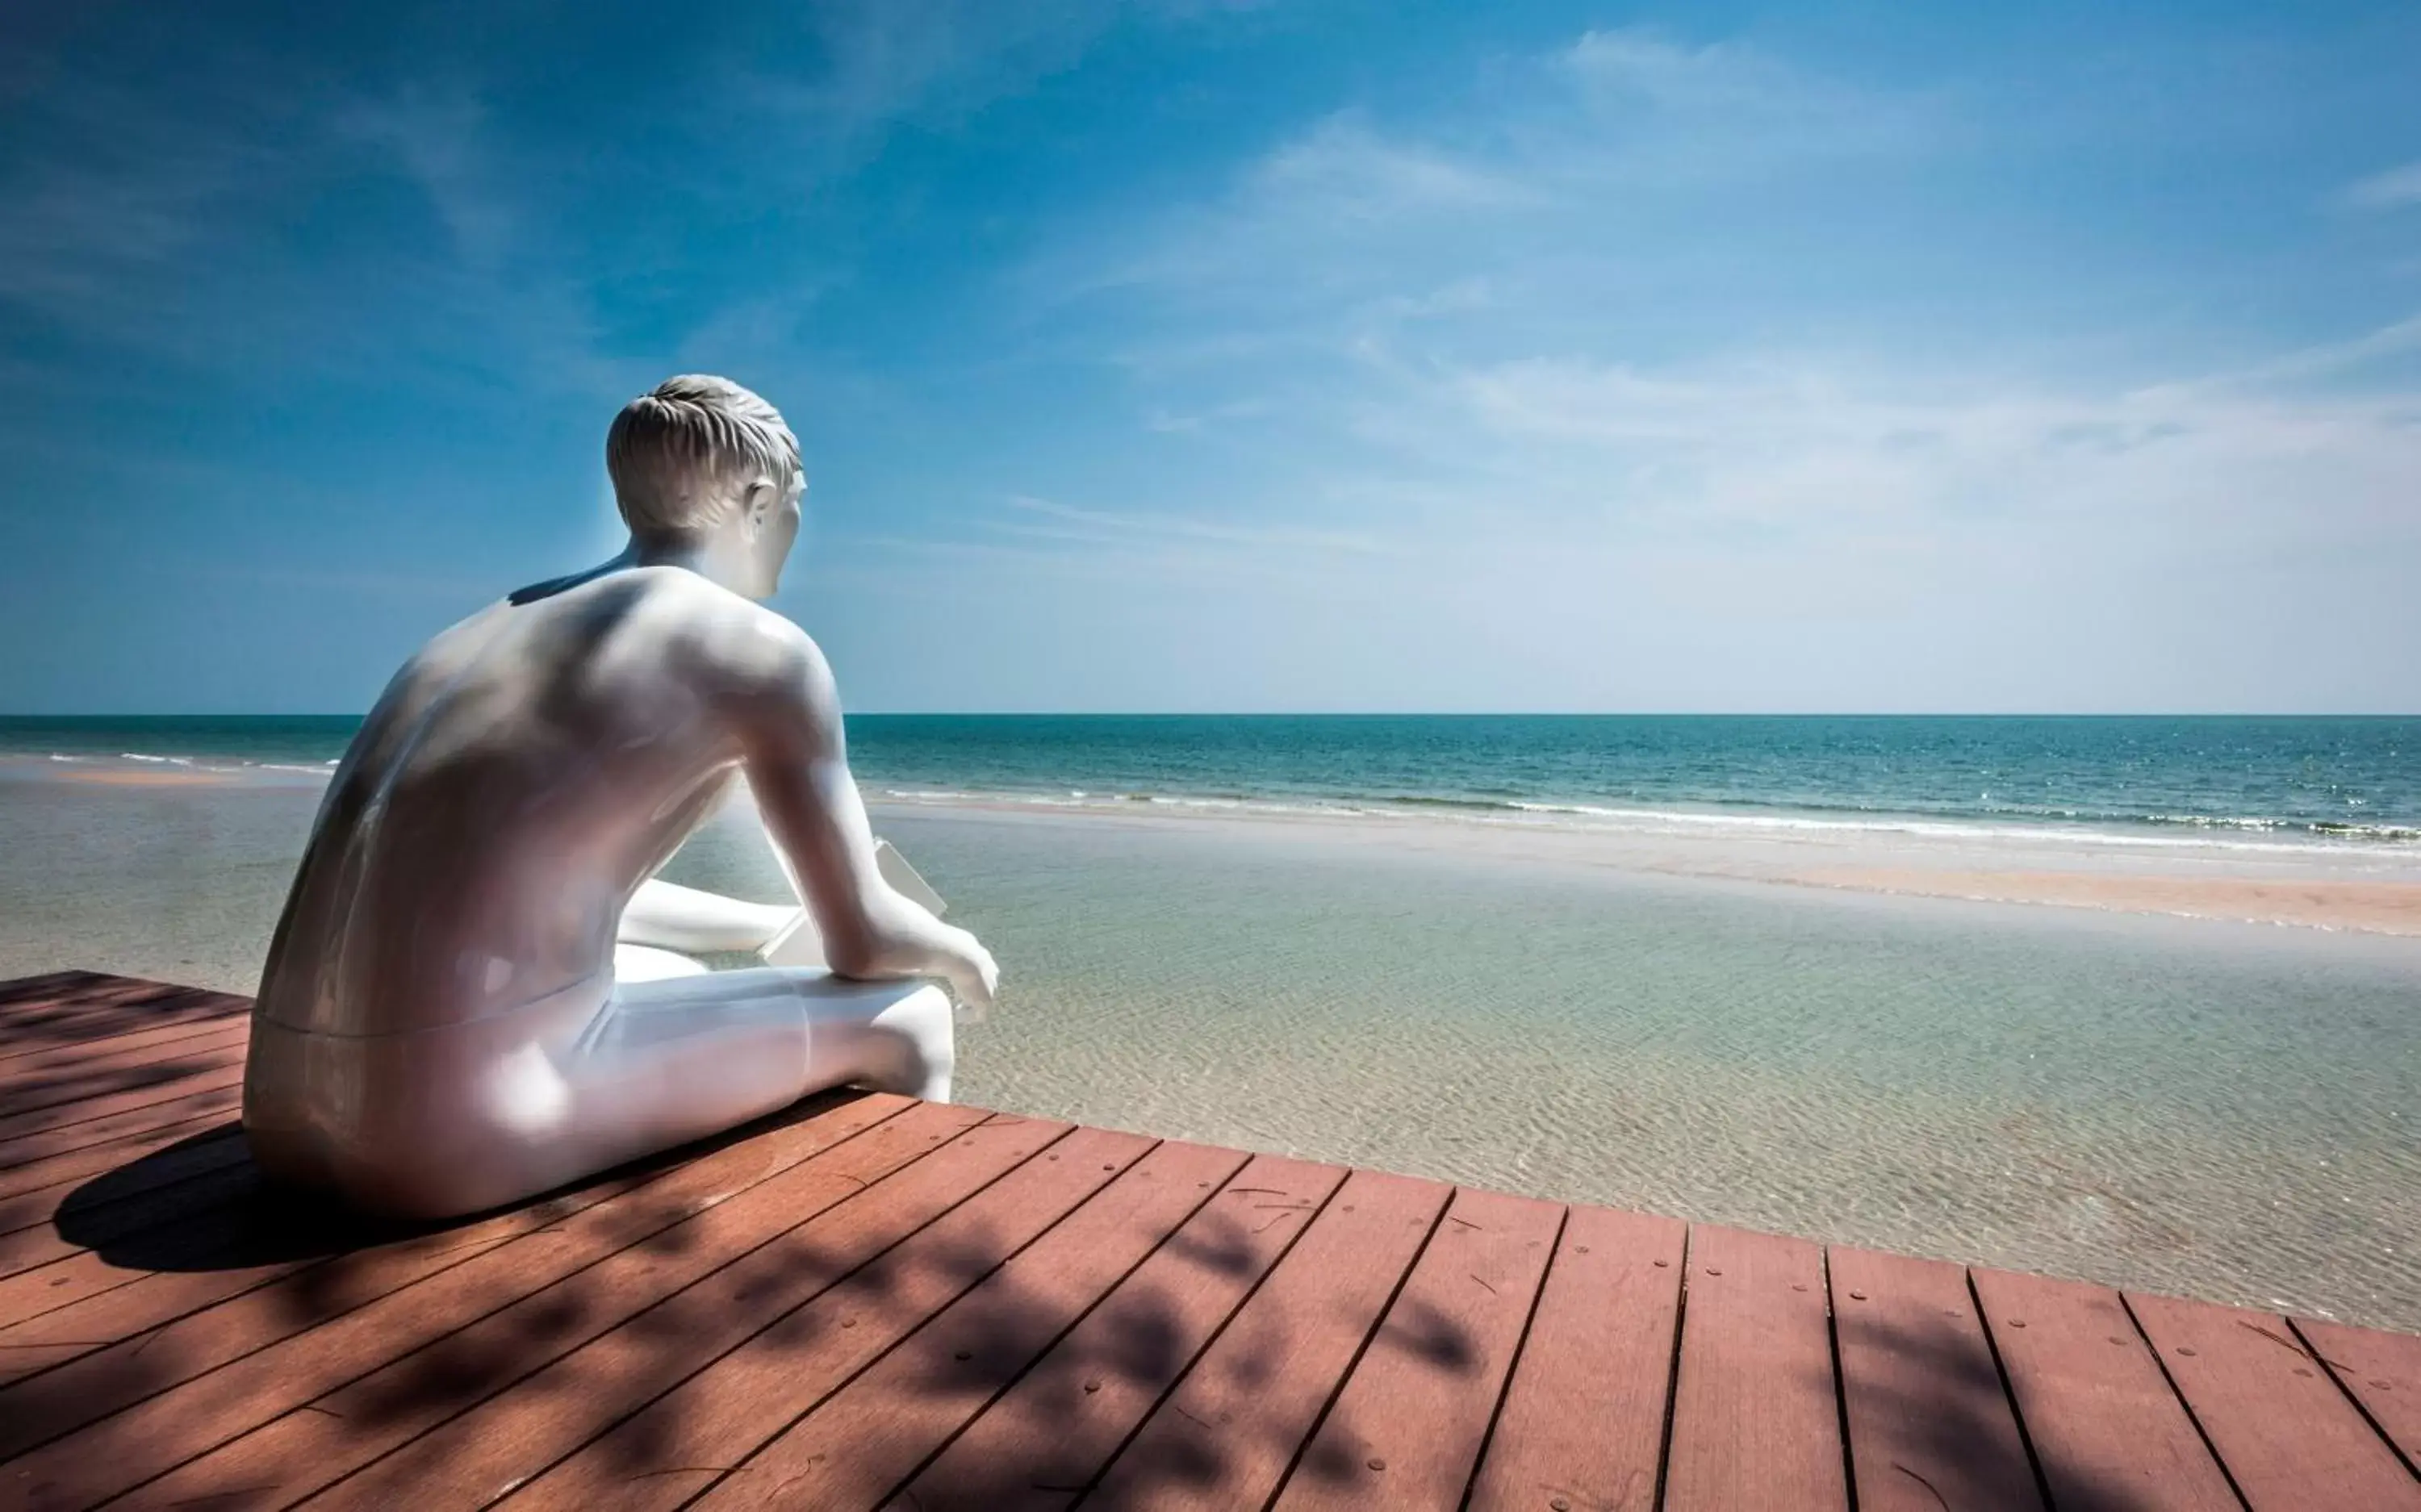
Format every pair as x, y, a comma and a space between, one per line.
2218, 1110
2352, 779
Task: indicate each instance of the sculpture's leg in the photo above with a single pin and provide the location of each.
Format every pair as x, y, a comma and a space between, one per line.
679, 1058
820, 1030
478, 1114
643, 963
674, 917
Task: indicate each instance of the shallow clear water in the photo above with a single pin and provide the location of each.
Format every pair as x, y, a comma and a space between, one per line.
2218, 1110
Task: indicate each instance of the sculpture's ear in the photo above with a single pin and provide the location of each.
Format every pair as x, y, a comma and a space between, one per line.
760, 503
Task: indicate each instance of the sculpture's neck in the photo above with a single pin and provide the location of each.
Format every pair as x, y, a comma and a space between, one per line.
698, 555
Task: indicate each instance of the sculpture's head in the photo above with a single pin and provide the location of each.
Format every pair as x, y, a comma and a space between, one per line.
702, 465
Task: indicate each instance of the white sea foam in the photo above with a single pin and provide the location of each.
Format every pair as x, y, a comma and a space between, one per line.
2261, 837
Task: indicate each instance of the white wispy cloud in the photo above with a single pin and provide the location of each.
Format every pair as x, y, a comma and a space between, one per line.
1457, 331
1565, 158
1107, 525
438, 137
872, 65
2392, 190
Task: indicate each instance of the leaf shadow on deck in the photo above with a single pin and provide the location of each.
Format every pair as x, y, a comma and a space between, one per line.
51, 1076
1961, 1443
1953, 1413
63, 1006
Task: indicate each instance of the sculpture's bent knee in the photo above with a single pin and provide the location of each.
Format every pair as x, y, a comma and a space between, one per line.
893, 1037
928, 1036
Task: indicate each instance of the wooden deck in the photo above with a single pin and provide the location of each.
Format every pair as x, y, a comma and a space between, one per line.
873, 1301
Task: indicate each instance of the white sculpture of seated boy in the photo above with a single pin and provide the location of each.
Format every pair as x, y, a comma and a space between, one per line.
442, 1025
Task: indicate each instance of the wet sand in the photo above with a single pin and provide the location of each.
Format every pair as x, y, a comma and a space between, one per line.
2351, 887
2318, 902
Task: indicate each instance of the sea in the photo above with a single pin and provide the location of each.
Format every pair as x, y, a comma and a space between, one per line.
1517, 952
2340, 779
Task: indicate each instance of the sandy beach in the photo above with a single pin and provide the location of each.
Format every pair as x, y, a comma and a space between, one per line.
2320, 886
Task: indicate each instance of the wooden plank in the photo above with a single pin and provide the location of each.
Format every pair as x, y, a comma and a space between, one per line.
2381, 1371
2286, 1432
168, 1190
1584, 1417
822, 1298
29, 1063
163, 1084
72, 1167
1755, 1420
224, 1098
21, 994
135, 1046
867, 1437
969, 1258
1931, 1425
35, 1018
174, 1275
40, 1225
1050, 1434
32, 996
151, 1161
2106, 1428
176, 1251
307, 1449
1225, 1435
132, 1341
1407, 1429
111, 1072
132, 1446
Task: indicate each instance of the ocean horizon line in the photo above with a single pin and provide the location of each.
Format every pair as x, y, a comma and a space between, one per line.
1378, 713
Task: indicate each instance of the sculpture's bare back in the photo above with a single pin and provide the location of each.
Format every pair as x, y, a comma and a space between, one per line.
439, 1026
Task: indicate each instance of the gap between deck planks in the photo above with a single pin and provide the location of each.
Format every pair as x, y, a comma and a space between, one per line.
873, 1301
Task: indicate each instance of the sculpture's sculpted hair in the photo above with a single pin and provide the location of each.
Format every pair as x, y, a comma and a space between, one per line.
679, 453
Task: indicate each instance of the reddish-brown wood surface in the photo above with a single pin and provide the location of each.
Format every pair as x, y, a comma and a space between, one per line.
218, 1071
1043, 1443
340, 1430
871, 1300
79, 1008
1583, 1419
1756, 1419
1225, 1435
767, 1295
219, 1097
2381, 1371
1930, 1422
855, 1447
149, 1438
688, 1437
2285, 1432
2106, 1427
1407, 1429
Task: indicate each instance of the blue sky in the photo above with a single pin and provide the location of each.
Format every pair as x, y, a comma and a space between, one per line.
1302, 355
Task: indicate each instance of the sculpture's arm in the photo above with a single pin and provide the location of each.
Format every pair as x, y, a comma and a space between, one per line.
673, 917
798, 769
